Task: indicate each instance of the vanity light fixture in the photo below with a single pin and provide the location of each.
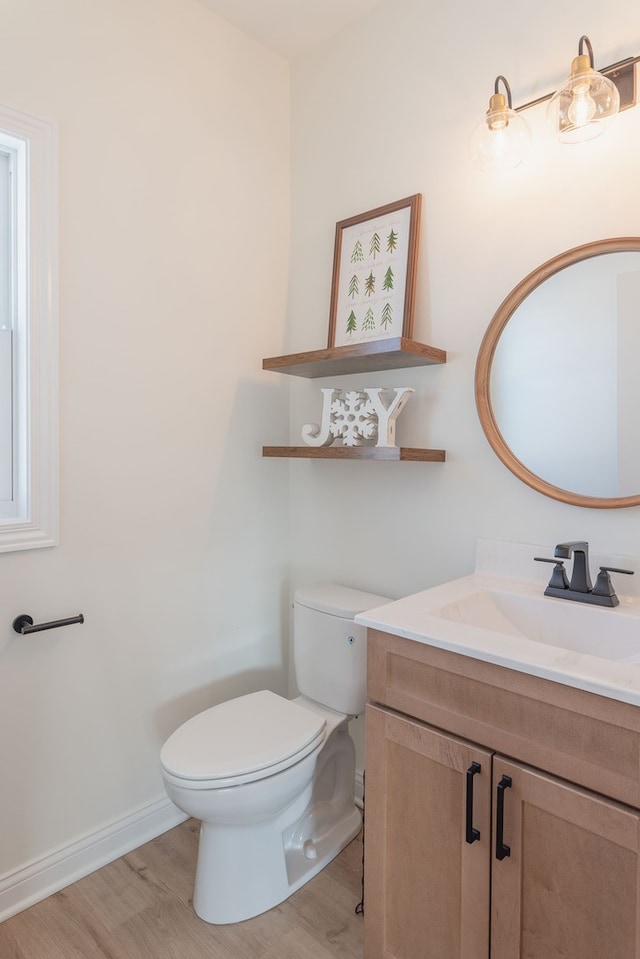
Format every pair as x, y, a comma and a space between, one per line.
579, 110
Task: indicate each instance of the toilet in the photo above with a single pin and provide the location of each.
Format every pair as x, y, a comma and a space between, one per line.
272, 780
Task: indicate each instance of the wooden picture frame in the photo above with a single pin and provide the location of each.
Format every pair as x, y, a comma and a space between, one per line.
374, 274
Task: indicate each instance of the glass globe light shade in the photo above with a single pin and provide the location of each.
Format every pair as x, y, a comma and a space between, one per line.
583, 108
501, 140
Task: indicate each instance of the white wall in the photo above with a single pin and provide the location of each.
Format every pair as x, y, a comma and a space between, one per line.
384, 111
174, 228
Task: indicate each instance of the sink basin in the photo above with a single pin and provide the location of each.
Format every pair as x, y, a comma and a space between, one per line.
561, 623
511, 623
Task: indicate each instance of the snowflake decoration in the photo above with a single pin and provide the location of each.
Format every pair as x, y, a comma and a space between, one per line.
353, 418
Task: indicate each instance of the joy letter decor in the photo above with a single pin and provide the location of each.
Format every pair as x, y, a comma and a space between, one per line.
366, 418
374, 268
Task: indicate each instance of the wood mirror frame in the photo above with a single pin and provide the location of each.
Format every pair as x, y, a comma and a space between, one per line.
485, 360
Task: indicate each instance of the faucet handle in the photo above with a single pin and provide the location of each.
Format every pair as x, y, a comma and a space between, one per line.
603, 585
558, 576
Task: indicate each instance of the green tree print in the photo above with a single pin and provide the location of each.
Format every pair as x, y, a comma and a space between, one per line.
369, 322
370, 284
374, 246
351, 323
354, 286
387, 316
392, 241
357, 255
388, 280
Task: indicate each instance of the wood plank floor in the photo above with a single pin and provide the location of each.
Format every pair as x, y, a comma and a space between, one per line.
139, 907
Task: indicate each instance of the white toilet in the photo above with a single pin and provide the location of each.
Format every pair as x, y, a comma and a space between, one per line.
272, 780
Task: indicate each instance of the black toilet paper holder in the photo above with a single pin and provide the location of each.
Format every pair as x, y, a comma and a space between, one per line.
24, 624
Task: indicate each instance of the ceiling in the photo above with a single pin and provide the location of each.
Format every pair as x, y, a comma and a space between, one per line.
290, 27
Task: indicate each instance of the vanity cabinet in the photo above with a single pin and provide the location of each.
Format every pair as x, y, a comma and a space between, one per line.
477, 844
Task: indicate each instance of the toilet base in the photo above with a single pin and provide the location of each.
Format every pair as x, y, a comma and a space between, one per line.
244, 891
245, 868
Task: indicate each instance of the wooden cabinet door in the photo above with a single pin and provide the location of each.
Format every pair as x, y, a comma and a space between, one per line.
426, 886
567, 885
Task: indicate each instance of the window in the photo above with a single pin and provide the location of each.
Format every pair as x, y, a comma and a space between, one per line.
28, 333
6, 329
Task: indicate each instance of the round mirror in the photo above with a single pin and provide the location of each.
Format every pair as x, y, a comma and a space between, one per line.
557, 377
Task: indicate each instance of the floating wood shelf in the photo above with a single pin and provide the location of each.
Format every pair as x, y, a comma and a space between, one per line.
397, 453
392, 354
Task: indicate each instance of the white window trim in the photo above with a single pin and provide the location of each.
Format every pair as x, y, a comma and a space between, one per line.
36, 522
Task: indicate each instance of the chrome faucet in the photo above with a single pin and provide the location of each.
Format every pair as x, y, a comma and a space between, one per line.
579, 588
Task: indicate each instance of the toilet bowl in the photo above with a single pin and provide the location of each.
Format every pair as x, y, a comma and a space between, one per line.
272, 780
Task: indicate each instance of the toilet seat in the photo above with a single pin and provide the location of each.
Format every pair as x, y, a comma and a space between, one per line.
241, 740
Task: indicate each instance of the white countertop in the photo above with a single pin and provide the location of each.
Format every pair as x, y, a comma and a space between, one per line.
461, 616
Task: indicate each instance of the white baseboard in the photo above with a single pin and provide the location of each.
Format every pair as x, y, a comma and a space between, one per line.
39, 879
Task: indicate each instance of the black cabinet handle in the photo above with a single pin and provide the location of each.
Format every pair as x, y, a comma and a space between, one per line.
502, 850
472, 833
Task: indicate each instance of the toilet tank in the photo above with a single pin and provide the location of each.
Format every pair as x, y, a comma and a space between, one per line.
330, 650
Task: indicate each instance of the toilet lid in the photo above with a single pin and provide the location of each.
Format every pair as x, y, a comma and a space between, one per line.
241, 736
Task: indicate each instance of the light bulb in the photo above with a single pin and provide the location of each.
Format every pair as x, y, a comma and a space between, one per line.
582, 108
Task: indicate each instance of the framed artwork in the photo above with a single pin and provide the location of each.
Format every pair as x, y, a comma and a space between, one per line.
374, 273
